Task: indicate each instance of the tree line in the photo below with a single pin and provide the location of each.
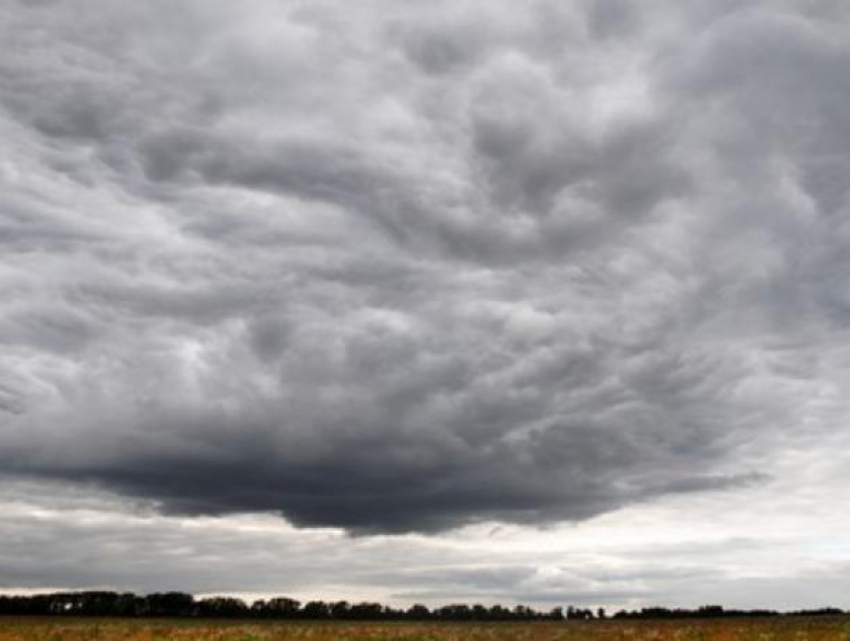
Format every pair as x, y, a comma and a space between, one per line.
179, 604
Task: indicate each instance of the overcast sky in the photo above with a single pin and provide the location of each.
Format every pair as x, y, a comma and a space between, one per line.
537, 301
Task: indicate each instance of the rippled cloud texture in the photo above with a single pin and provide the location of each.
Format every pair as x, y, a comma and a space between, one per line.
402, 267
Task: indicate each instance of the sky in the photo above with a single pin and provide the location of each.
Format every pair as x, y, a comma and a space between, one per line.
468, 300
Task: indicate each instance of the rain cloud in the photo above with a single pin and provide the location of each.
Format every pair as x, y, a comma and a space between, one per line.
402, 267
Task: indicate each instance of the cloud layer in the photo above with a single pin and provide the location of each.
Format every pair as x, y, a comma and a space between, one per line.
401, 268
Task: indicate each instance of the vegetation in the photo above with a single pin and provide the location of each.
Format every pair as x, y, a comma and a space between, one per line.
835, 628
179, 604
110, 616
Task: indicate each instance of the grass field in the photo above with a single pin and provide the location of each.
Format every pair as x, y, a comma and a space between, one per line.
801, 629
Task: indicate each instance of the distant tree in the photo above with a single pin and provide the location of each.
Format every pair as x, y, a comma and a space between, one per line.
277, 607
178, 604
499, 613
710, 611
366, 611
339, 610
418, 612
168, 604
316, 610
556, 614
454, 612
221, 606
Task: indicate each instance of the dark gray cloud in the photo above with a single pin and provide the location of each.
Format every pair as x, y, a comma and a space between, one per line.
396, 269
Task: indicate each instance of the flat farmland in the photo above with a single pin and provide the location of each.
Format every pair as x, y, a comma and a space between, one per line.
53, 629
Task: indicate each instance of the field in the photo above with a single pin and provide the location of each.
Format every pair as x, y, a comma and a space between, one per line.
798, 629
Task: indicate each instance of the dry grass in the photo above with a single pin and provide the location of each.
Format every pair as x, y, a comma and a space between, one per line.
803, 629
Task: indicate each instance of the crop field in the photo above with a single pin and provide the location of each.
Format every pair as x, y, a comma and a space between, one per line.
796, 629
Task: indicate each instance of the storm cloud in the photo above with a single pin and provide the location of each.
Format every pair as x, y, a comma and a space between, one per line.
405, 267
